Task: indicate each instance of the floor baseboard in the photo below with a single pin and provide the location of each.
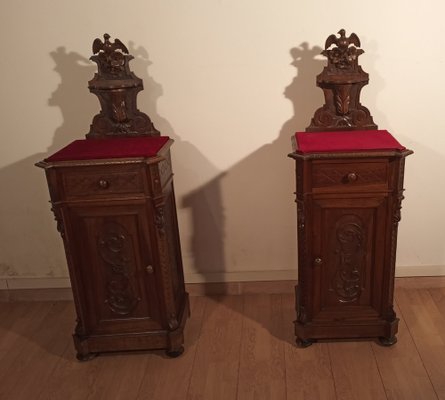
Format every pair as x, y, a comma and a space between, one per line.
210, 289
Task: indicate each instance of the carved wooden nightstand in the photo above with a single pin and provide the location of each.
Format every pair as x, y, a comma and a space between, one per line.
113, 198
117, 218
349, 179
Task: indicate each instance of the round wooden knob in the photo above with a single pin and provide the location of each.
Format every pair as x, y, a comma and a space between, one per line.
149, 269
103, 183
352, 177
318, 261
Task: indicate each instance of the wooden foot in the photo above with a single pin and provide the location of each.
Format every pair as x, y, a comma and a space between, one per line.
175, 353
384, 341
304, 342
85, 356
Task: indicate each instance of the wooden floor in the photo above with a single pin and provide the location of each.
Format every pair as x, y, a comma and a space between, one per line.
237, 347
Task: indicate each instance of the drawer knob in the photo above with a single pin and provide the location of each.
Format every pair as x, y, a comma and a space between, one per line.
352, 177
318, 261
149, 269
103, 183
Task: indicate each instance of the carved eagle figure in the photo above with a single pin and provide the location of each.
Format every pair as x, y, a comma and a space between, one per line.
342, 42
107, 46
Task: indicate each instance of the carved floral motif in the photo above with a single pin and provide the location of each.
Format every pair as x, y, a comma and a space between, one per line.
116, 250
117, 87
341, 81
166, 262
350, 251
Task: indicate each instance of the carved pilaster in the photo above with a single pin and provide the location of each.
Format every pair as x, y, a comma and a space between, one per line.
59, 220
396, 218
165, 264
302, 295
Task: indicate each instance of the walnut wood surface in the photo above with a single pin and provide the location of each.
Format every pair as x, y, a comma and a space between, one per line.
348, 209
38, 359
342, 81
116, 87
118, 222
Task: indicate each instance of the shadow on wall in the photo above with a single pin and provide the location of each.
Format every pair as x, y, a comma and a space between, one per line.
256, 194
25, 211
247, 209
243, 218
191, 168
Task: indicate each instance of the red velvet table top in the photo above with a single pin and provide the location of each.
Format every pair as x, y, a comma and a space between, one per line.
90, 149
345, 141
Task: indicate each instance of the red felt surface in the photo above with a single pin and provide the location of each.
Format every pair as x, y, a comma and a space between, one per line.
89, 149
338, 141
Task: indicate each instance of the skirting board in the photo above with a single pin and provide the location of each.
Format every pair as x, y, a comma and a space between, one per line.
247, 279
12, 283
289, 275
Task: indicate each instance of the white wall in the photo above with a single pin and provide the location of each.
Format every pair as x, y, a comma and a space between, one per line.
230, 81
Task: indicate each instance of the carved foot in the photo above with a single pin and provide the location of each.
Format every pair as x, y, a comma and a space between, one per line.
384, 341
302, 343
175, 353
85, 356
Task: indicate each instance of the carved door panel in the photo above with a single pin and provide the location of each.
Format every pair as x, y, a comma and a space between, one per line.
115, 268
348, 257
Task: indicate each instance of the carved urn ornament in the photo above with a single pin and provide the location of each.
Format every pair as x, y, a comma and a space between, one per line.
341, 81
116, 87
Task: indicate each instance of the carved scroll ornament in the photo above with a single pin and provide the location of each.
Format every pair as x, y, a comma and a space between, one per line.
341, 81
115, 249
116, 87
350, 251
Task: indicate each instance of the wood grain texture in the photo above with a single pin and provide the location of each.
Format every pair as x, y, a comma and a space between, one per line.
38, 351
426, 324
119, 224
216, 366
401, 368
236, 348
420, 282
169, 378
262, 369
308, 371
355, 371
347, 239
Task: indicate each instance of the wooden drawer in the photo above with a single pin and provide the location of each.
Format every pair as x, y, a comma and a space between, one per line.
96, 181
330, 176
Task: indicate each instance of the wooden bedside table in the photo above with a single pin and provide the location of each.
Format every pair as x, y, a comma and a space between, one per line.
113, 198
117, 218
348, 209
349, 179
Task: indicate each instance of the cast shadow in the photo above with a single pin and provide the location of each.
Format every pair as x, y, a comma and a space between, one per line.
369, 94
203, 251
257, 194
26, 207
27, 186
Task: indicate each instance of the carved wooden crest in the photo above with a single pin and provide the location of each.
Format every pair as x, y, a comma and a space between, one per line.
341, 81
116, 87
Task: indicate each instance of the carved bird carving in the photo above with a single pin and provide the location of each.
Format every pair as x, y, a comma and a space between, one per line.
342, 42
107, 46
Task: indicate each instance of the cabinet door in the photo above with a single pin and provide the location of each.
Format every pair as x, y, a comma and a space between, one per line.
113, 268
348, 257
